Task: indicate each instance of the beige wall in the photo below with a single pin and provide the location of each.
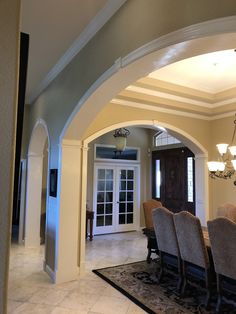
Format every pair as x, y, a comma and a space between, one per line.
198, 129
207, 133
222, 191
139, 137
9, 52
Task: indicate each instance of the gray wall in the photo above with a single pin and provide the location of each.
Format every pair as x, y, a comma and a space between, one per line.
9, 52
136, 23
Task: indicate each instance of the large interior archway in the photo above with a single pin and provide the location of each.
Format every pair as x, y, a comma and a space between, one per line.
83, 123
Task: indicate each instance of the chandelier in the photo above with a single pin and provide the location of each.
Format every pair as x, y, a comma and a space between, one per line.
120, 136
225, 167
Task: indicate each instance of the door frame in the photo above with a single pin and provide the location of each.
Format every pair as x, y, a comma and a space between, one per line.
137, 187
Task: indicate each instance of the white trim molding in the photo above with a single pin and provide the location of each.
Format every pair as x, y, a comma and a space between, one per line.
204, 29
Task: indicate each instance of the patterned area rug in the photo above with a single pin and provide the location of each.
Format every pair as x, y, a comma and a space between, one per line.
138, 282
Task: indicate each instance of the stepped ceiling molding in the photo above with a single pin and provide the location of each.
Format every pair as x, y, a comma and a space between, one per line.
203, 87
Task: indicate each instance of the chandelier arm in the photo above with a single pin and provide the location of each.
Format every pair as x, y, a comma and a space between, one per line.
232, 141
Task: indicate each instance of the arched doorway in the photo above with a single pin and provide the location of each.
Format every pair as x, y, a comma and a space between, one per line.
39, 143
201, 178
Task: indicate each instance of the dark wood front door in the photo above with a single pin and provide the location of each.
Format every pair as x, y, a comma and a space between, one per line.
173, 179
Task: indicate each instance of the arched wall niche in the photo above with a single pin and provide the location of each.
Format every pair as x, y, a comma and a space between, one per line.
39, 138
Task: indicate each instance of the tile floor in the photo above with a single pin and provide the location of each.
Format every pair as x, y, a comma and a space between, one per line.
31, 291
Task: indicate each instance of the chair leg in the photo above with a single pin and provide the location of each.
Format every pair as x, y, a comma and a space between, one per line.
148, 259
184, 279
208, 279
161, 267
180, 280
219, 298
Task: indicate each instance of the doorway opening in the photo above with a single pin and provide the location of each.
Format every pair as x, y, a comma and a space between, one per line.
173, 178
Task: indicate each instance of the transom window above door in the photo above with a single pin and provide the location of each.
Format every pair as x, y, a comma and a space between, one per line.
108, 152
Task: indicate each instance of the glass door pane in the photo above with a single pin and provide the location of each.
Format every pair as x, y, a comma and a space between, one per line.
114, 199
126, 197
104, 199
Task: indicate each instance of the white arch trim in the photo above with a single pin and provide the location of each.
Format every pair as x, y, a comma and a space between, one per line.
38, 139
187, 42
196, 147
43, 133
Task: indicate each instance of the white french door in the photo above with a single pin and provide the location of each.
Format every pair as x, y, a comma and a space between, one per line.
115, 198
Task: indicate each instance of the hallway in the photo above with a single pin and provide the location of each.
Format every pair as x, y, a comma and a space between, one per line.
31, 291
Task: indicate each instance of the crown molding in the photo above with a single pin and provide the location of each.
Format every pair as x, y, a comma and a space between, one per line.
93, 27
144, 106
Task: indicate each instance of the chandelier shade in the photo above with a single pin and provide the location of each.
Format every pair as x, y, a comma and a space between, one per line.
120, 136
225, 166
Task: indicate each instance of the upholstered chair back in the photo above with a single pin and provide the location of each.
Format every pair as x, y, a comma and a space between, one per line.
148, 206
222, 234
227, 210
165, 231
190, 239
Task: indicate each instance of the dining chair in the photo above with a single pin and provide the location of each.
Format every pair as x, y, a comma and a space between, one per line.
167, 243
227, 210
222, 234
193, 251
152, 246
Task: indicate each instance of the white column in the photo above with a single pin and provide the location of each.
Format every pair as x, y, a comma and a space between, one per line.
201, 188
33, 200
68, 221
84, 167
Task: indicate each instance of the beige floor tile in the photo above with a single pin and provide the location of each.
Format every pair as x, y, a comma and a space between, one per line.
22, 293
48, 296
29, 308
31, 290
13, 305
111, 305
112, 292
79, 301
61, 310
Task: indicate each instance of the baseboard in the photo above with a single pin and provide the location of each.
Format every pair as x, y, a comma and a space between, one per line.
66, 275
49, 271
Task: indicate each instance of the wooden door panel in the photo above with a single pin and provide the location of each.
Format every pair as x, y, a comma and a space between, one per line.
173, 191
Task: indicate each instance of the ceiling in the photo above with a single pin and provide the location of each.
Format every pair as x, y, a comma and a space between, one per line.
212, 72
58, 29
202, 86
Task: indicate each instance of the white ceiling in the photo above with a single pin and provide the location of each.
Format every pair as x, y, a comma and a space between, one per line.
212, 72
54, 26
